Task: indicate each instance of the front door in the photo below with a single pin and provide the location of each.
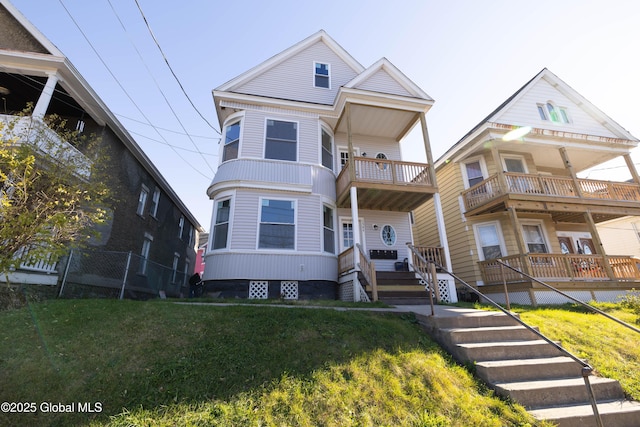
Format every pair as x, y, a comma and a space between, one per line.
346, 233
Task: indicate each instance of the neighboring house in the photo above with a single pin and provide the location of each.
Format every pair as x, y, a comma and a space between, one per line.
311, 168
149, 219
621, 236
203, 243
521, 200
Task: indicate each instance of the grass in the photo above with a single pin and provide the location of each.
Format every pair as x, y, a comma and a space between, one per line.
163, 364
612, 349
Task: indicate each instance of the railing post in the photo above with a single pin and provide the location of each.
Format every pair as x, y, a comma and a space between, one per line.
126, 273
66, 271
586, 371
504, 283
374, 282
434, 281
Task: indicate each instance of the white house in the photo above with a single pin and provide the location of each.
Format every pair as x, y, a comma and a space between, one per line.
311, 147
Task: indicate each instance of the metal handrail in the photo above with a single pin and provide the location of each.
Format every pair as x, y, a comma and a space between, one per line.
586, 368
582, 303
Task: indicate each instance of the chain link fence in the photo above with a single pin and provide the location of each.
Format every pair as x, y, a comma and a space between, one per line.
110, 274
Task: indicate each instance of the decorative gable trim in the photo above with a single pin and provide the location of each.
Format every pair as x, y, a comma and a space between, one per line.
321, 36
384, 65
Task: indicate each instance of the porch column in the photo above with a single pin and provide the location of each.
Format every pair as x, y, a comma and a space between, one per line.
427, 148
632, 168
569, 167
502, 180
355, 224
442, 231
598, 244
517, 230
352, 155
45, 97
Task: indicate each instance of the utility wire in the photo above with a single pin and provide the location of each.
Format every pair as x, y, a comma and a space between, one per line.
171, 69
158, 86
123, 89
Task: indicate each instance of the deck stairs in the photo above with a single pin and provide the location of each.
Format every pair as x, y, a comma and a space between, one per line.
399, 287
518, 364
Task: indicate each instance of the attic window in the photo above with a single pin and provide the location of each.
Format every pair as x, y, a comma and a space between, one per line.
321, 75
553, 113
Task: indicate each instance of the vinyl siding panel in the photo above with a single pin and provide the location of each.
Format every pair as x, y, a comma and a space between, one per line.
244, 230
381, 81
619, 237
525, 112
293, 78
268, 266
371, 145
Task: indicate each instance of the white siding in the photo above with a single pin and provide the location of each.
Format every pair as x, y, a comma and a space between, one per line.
294, 78
525, 113
245, 220
371, 145
381, 81
265, 172
372, 238
266, 266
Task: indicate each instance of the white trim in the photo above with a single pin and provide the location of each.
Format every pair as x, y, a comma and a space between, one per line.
395, 234
345, 149
264, 138
228, 195
313, 83
295, 223
342, 219
237, 117
520, 157
326, 128
463, 168
476, 235
540, 224
331, 206
155, 200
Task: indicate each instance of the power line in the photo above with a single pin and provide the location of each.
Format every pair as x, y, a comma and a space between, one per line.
158, 87
216, 138
171, 69
121, 87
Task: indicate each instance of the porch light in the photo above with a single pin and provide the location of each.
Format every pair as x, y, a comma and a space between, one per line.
516, 133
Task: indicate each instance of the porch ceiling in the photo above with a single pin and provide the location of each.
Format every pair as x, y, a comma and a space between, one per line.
378, 121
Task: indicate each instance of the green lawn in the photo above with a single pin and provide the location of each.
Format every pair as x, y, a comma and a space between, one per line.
163, 364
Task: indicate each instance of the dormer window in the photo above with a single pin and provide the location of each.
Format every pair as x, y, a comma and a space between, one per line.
553, 113
321, 75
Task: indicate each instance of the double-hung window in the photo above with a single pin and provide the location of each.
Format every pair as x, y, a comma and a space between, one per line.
321, 75
489, 240
231, 141
277, 224
327, 149
142, 200
155, 201
474, 172
221, 227
328, 229
281, 142
534, 239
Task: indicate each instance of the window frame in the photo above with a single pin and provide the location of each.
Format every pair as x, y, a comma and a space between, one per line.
155, 202
266, 139
543, 235
294, 204
231, 121
394, 235
215, 223
522, 159
500, 237
143, 196
465, 175
144, 253
331, 152
316, 75
331, 229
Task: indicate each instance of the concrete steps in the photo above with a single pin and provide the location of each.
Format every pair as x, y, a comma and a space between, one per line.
516, 363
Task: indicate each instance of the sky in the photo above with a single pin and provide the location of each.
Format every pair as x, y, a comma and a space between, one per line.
468, 55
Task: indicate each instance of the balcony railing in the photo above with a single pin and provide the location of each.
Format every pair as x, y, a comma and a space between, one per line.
46, 141
382, 171
562, 267
553, 186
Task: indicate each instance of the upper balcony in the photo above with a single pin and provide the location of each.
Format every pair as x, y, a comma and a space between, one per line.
387, 185
563, 197
45, 141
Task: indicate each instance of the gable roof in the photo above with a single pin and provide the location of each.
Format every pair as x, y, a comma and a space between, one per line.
384, 66
559, 85
33, 31
290, 53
